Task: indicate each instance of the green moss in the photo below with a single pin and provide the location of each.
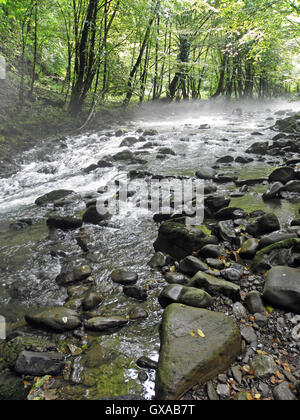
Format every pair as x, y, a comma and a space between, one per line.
111, 380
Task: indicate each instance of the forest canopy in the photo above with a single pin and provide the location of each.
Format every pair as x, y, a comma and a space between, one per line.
83, 52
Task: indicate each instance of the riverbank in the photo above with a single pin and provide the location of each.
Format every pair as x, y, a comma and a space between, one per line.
64, 267
45, 119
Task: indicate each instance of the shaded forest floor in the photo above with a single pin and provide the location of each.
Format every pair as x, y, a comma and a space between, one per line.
43, 118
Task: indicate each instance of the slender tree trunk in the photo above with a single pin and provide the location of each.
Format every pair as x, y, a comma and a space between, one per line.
155, 8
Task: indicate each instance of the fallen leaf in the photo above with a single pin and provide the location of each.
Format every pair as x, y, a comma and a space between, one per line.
201, 333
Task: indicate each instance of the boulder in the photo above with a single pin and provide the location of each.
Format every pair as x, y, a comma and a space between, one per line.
124, 277
181, 241
135, 292
56, 319
282, 392
191, 265
273, 191
266, 224
254, 302
71, 275
176, 278
292, 187
249, 248
189, 296
102, 323
157, 261
196, 345
283, 175
282, 288
275, 237
259, 148
91, 300
263, 366
215, 286
216, 203
92, 216
206, 173
64, 222
52, 196
40, 364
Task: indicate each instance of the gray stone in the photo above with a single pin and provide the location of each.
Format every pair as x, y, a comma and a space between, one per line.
91, 300
206, 173
239, 311
157, 261
211, 392
282, 175
249, 248
135, 292
92, 216
254, 302
263, 225
223, 391
215, 286
124, 277
189, 296
102, 323
64, 222
176, 278
282, 392
58, 319
263, 366
52, 196
261, 320
282, 288
40, 364
186, 357
249, 336
191, 265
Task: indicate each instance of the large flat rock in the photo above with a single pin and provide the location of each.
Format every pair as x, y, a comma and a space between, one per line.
282, 288
196, 345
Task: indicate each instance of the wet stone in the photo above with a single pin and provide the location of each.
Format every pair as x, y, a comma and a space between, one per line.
124, 277
135, 292
58, 319
282, 392
191, 265
254, 302
105, 323
39, 364
147, 363
91, 300
176, 278
189, 296
157, 261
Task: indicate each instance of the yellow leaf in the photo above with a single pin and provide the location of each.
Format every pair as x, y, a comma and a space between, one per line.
127, 316
192, 333
172, 269
201, 333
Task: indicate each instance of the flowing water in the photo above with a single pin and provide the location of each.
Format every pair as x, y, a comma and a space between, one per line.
29, 267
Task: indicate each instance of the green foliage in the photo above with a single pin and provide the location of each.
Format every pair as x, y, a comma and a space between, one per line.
196, 48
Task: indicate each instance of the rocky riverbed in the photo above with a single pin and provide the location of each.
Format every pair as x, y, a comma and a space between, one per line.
212, 312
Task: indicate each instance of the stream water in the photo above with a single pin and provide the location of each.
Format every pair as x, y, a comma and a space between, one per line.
28, 265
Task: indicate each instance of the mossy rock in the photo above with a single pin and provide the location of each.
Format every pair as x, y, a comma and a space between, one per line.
11, 387
180, 240
196, 345
10, 351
